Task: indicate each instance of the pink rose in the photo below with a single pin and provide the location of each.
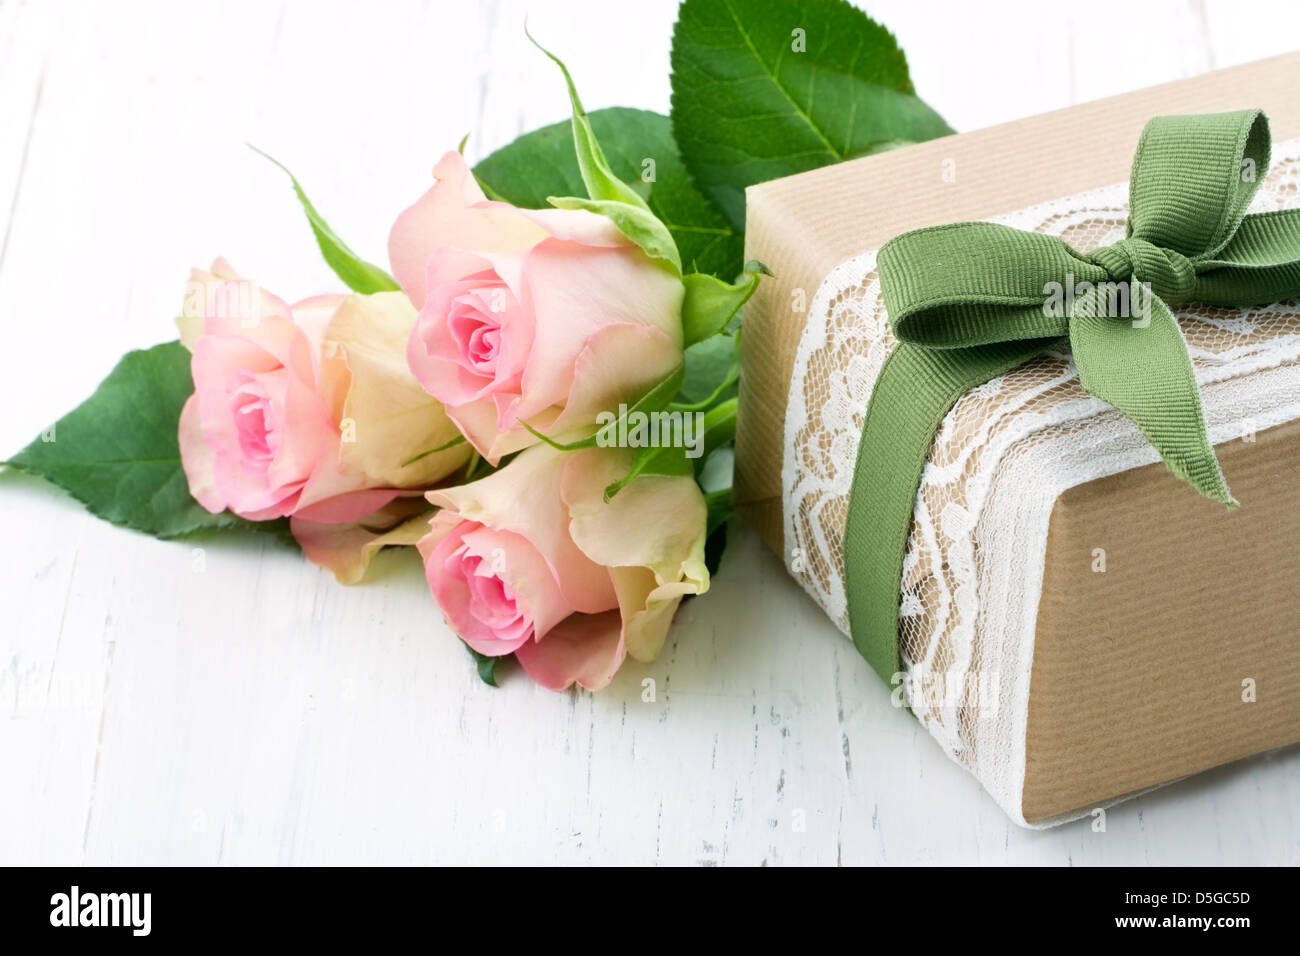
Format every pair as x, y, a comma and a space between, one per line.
305, 410
532, 560
541, 316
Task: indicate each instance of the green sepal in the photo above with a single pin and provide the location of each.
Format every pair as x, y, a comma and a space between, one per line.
601, 183
719, 428
713, 364
449, 443
485, 665
711, 303
609, 195
652, 461
357, 274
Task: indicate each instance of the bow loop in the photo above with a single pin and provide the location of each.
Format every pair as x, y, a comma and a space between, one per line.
1194, 177
974, 283
1171, 275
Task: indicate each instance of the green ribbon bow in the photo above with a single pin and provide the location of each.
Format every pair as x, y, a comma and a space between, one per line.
973, 300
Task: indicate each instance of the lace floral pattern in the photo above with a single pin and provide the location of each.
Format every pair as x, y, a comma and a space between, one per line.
974, 564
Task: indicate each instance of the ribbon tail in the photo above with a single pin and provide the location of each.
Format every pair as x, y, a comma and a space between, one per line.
916, 388
1142, 367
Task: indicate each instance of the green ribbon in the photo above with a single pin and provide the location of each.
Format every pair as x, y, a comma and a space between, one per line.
973, 300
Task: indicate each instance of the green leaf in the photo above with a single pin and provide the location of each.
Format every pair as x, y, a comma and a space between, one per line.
117, 453
718, 472
748, 106
640, 148
486, 666
712, 370
357, 274
710, 303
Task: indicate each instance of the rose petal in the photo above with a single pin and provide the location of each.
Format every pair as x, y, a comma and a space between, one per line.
651, 534
586, 648
307, 434
197, 459
313, 315
575, 290
346, 549
478, 422
618, 364
648, 608
190, 322
438, 360
579, 225
515, 561
524, 497
453, 213
390, 418
345, 507
446, 571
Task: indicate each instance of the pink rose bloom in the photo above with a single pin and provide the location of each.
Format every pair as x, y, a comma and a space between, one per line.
541, 316
532, 560
305, 410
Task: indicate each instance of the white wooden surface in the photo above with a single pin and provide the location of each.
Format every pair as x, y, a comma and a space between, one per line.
242, 707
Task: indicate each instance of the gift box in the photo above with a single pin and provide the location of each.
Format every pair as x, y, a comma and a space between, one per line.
1075, 624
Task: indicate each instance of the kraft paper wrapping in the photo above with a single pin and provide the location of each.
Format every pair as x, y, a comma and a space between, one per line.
1129, 676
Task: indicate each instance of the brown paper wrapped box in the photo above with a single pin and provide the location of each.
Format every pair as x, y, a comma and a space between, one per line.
1137, 674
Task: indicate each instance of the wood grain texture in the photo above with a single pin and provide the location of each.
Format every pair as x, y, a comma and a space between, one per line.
224, 701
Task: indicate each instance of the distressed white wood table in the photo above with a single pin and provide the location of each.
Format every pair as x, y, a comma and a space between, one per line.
228, 702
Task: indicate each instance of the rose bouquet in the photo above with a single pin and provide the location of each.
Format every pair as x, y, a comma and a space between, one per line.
538, 395
512, 401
